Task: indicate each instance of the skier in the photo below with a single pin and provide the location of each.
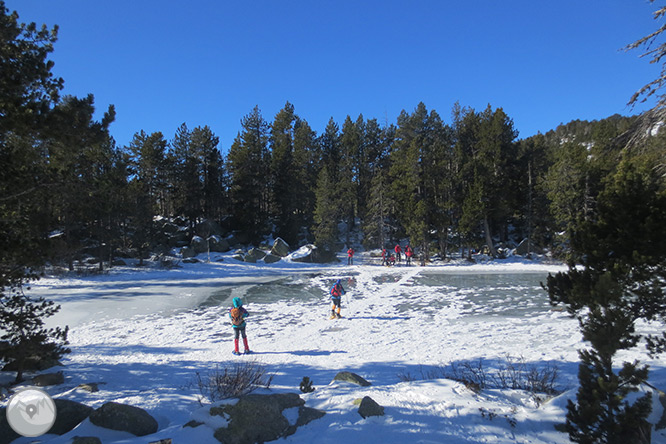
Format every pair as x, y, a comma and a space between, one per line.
408, 254
237, 314
398, 250
350, 256
336, 298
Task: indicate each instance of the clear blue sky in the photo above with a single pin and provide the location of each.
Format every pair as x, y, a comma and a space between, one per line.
209, 62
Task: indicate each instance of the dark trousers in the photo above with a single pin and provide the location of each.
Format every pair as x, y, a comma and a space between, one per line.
239, 331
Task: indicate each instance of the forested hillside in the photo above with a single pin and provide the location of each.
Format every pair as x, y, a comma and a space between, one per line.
448, 186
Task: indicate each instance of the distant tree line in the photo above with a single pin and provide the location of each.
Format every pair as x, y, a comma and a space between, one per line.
445, 187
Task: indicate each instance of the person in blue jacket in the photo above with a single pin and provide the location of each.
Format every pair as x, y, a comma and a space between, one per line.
237, 314
336, 297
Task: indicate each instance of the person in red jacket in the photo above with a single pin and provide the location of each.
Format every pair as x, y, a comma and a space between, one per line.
398, 250
350, 256
408, 254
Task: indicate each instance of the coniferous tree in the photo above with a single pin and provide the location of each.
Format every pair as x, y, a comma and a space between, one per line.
28, 92
147, 166
81, 153
185, 181
622, 255
328, 210
209, 171
351, 145
379, 220
249, 167
284, 180
307, 159
326, 214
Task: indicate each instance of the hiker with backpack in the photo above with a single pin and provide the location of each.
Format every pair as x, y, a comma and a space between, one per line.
237, 314
336, 298
350, 256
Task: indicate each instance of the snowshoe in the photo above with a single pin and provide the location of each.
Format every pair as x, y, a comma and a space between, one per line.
247, 352
338, 315
237, 353
333, 317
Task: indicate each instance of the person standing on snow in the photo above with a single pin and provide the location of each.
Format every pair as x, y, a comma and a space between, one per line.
384, 257
408, 254
398, 250
336, 298
237, 314
350, 256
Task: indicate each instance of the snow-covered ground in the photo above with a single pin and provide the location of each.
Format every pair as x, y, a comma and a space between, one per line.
145, 334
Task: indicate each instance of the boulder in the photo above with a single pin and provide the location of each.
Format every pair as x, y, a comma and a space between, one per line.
48, 379
310, 253
271, 259
199, 244
187, 252
91, 387
70, 414
280, 248
369, 407
208, 228
218, 244
259, 418
351, 377
254, 255
125, 418
179, 239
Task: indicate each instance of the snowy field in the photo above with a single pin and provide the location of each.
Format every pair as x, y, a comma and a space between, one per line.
145, 334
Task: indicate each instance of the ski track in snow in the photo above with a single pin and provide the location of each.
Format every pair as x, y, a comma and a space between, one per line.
393, 327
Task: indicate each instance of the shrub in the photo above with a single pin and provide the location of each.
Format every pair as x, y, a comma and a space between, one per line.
232, 381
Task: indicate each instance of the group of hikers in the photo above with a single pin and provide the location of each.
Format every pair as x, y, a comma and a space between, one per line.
388, 259
238, 313
392, 258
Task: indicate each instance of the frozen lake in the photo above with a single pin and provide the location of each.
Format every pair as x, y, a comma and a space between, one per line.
144, 334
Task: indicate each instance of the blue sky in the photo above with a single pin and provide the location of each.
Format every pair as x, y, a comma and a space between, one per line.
209, 62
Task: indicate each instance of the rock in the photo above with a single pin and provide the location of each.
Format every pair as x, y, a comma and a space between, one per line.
199, 244
218, 245
49, 379
86, 440
259, 418
91, 387
304, 254
271, 259
70, 414
280, 248
125, 418
351, 377
369, 408
187, 252
179, 239
254, 255
208, 228
310, 253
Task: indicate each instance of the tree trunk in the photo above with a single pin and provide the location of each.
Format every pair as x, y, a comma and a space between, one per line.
489, 239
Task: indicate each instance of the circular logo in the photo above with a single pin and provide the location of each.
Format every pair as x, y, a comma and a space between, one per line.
31, 412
